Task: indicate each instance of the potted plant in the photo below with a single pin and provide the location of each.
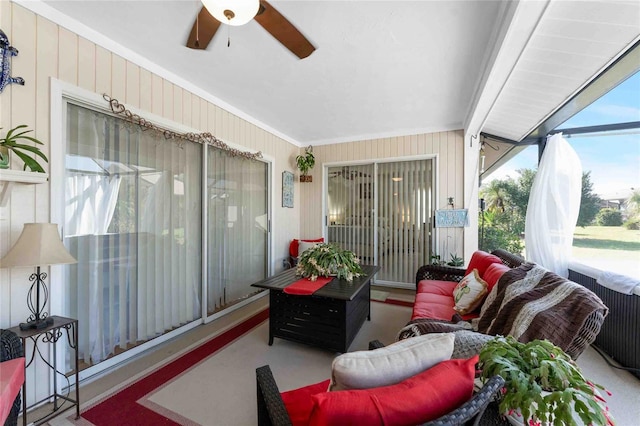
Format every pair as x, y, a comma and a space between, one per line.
455, 260
11, 142
305, 163
543, 384
328, 260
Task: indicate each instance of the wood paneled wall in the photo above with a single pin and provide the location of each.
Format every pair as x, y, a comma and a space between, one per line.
48, 50
449, 148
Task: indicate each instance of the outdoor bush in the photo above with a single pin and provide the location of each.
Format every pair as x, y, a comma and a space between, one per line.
633, 223
609, 217
496, 237
506, 208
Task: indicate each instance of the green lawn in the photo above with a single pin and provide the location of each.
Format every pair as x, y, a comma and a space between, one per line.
612, 248
607, 238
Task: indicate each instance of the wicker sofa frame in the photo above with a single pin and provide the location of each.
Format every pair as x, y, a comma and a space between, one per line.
588, 332
272, 412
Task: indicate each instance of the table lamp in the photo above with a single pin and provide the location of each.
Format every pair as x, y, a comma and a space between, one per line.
38, 245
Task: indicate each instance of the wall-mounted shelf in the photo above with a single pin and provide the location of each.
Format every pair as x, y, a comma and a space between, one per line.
10, 177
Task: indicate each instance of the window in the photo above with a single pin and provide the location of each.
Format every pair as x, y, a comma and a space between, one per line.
611, 241
607, 236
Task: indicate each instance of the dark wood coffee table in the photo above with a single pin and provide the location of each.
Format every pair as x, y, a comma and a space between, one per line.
330, 318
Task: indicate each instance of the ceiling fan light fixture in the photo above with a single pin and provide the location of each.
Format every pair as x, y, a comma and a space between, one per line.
232, 12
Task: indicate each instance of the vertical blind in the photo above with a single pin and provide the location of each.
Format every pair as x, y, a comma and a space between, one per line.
404, 218
395, 231
237, 238
133, 219
350, 204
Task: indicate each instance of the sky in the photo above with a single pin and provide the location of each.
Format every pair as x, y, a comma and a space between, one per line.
614, 159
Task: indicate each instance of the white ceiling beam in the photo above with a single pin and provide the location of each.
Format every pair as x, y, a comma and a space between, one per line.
517, 24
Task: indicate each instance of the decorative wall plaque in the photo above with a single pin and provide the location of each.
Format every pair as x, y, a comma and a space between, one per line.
452, 218
287, 189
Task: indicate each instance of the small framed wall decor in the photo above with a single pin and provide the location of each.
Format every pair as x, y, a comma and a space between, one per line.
287, 189
452, 218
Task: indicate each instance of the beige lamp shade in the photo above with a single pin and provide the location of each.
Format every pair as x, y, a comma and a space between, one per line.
38, 245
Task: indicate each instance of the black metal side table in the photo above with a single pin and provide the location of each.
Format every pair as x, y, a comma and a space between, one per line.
50, 334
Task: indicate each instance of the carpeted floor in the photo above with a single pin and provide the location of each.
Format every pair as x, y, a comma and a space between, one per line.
214, 384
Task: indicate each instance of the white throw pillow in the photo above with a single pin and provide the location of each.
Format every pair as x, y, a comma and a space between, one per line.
469, 293
391, 364
304, 245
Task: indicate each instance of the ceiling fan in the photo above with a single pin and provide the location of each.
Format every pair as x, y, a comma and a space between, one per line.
215, 12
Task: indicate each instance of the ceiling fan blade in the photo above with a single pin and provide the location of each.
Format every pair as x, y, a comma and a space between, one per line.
203, 30
283, 30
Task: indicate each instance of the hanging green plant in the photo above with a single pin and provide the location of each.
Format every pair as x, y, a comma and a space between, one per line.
305, 163
11, 142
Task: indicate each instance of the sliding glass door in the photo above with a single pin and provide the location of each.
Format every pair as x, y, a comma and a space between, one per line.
133, 218
350, 204
383, 213
405, 206
237, 223
133, 222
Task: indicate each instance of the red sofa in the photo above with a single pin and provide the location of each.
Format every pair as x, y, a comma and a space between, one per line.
435, 285
556, 309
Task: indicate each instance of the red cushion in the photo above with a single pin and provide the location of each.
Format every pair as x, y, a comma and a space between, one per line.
421, 398
293, 246
493, 274
444, 288
299, 404
481, 260
436, 306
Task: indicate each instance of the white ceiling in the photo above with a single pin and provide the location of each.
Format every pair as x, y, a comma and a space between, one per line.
570, 46
381, 68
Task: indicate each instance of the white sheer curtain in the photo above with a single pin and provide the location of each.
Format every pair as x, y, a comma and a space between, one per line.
133, 221
554, 205
92, 202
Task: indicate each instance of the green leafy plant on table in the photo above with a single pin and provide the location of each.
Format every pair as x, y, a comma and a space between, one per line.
325, 260
543, 383
12, 142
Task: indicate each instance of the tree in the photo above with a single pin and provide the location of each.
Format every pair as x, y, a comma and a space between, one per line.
589, 202
507, 201
632, 204
495, 196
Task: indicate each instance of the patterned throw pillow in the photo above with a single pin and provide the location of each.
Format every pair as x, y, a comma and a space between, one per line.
469, 293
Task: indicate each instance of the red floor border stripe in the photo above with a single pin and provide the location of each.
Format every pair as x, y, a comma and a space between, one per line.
122, 408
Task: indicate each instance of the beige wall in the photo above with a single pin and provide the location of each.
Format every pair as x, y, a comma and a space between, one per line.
448, 147
48, 50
